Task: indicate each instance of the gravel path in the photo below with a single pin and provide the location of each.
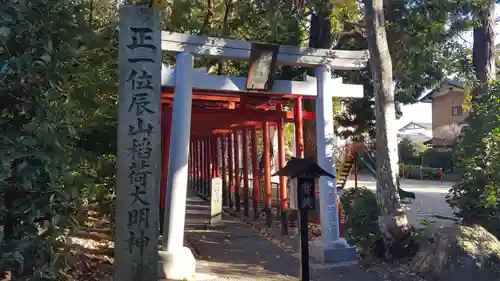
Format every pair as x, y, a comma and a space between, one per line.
429, 205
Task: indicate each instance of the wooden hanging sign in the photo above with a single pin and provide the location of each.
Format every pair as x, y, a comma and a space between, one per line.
262, 66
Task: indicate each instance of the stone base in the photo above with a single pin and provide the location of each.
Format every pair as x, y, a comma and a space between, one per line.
336, 252
177, 265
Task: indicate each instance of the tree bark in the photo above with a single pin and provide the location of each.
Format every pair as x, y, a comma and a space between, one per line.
208, 18
393, 221
483, 50
225, 29
320, 36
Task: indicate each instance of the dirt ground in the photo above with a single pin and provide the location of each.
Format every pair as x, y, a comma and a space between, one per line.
92, 250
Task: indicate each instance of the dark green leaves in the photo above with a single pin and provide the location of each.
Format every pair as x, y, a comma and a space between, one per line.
476, 196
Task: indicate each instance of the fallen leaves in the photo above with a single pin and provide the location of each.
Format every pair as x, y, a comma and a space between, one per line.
92, 252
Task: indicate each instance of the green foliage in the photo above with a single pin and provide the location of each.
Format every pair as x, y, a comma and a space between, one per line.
361, 216
58, 76
418, 173
476, 197
436, 158
420, 147
425, 44
407, 152
59, 73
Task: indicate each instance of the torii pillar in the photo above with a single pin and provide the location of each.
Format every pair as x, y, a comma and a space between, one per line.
330, 248
178, 261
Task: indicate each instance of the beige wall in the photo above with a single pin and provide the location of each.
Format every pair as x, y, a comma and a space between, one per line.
442, 109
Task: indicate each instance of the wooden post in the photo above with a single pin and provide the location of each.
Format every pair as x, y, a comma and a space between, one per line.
190, 166
281, 164
193, 162
225, 187
216, 155
267, 172
213, 151
237, 179
230, 164
299, 128
255, 176
203, 166
192, 152
190, 172
355, 169
208, 174
199, 169
139, 148
246, 191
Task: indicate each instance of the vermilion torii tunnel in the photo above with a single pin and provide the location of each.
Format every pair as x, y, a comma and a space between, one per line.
204, 129
214, 120
218, 117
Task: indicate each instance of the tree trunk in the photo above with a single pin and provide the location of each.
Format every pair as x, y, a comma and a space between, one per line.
273, 138
483, 50
225, 29
207, 22
320, 36
393, 221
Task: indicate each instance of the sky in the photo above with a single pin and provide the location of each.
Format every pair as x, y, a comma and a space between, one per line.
422, 112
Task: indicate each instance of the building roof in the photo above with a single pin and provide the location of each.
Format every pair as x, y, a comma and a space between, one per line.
422, 125
417, 137
299, 167
445, 85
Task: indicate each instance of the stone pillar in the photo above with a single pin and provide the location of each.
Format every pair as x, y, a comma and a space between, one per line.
139, 148
330, 248
178, 261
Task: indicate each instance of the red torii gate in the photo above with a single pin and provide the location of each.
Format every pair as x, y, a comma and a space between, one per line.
217, 118
208, 109
204, 109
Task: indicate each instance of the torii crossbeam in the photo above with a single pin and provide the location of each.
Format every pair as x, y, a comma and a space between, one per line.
235, 105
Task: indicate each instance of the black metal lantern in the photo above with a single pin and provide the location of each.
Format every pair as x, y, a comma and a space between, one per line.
305, 170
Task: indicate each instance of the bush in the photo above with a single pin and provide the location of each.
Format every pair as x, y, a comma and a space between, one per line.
361, 212
413, 172
407, 152
58, 86
435, 158
475, 198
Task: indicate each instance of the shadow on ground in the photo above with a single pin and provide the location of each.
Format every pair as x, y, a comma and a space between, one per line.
240, 252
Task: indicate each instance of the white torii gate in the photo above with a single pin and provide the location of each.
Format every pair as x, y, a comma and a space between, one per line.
178, 261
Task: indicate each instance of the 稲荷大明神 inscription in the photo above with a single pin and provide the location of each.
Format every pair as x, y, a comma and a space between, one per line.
139, 147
